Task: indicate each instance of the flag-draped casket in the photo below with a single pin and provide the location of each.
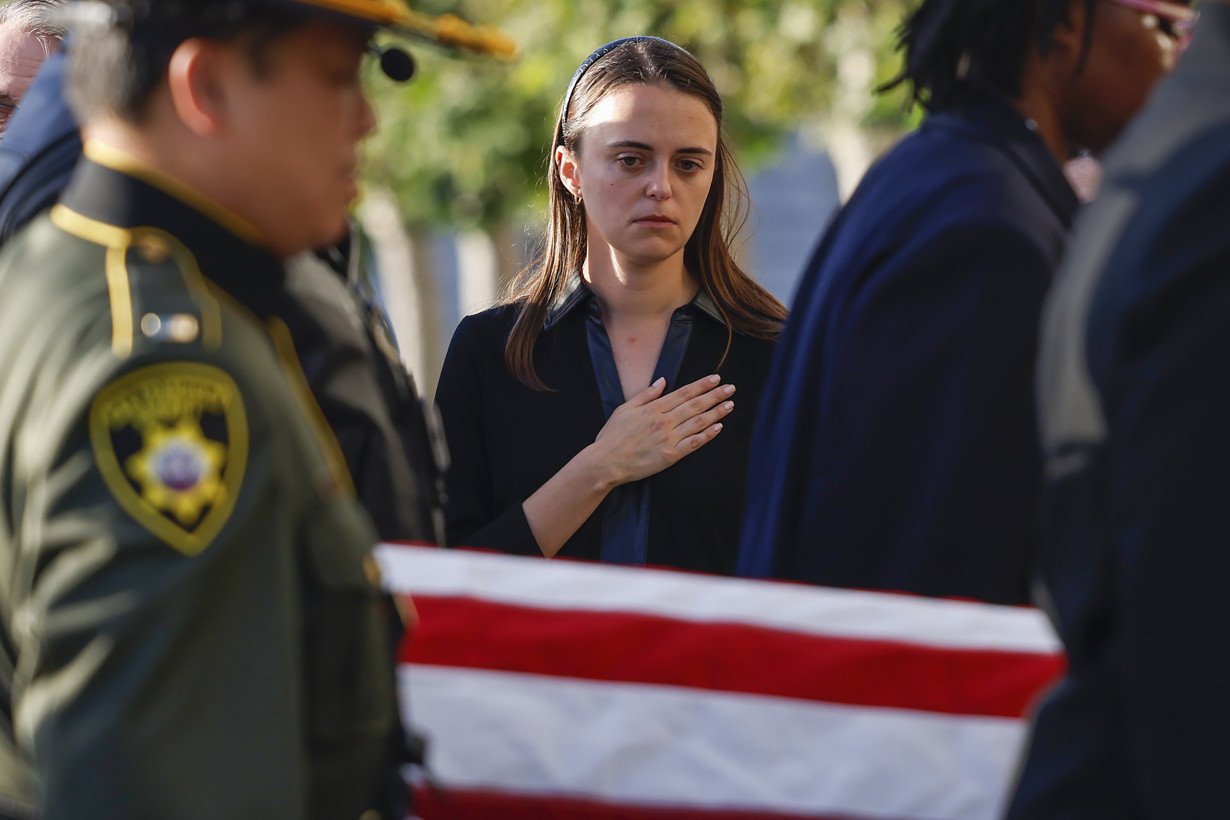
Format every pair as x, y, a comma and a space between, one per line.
570, 690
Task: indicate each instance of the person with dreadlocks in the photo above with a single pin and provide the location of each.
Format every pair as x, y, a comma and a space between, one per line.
896, 445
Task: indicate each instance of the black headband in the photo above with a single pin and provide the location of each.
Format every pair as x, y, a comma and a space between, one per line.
597, 55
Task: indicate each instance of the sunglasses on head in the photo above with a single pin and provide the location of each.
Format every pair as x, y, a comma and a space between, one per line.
1173, 19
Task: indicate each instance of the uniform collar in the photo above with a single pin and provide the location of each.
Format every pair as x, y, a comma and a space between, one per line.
989, 117
577, 294
116, 190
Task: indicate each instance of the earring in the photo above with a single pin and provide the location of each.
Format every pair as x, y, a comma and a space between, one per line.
577, 197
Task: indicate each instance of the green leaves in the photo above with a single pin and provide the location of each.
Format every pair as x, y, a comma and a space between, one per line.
465, 142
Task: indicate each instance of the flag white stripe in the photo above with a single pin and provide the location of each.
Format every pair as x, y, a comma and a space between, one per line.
658, 745
795, 607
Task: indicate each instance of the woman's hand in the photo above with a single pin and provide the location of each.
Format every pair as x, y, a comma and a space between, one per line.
650, 432
645, 435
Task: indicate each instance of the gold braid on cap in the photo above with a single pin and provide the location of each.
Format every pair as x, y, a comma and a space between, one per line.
445, 29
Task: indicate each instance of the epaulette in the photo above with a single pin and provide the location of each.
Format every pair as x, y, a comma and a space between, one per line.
156, 289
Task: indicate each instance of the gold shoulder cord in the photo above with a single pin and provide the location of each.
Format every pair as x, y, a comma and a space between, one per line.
285, 345
116, 240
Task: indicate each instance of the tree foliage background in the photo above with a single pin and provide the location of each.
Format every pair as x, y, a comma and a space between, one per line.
465, 142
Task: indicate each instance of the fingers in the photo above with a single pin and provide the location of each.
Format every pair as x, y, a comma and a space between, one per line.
688, 392
650, 432
701, 421
701, 404
693, 443
648, 394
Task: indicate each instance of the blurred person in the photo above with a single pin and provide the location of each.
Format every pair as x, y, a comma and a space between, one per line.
592, 414
29, 32
897, 446
389, 436
191, 623
1133, 402
40, 147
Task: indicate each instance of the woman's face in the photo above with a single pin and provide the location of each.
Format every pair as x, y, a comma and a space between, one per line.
644, 167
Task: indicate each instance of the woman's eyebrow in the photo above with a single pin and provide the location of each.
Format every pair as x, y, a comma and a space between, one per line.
647, 147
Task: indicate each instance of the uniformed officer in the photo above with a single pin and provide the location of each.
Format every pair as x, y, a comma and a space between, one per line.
387, 434
190, 618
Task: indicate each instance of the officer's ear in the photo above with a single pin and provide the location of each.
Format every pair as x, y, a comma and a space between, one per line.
196, 79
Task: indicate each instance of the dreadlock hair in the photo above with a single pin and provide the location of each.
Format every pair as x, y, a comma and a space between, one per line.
953, 47
746, 307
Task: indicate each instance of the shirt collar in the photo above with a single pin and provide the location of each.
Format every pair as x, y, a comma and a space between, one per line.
576, 293
989, 117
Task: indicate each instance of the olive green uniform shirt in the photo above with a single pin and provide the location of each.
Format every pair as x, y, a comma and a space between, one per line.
190, 618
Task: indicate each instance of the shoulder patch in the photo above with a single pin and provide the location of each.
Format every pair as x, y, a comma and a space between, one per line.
171, 443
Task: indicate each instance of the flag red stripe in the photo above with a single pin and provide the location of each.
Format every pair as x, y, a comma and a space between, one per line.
630, 647
467, 804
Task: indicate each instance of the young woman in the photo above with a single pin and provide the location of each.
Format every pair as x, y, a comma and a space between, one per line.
592, 414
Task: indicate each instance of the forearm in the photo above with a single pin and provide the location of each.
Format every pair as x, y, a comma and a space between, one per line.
559, 507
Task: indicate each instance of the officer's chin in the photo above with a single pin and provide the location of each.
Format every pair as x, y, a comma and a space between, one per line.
331, 236
327, 236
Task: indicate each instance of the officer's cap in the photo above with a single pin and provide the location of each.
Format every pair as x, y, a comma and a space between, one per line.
396, 15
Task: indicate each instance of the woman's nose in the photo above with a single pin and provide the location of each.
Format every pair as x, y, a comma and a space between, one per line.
659, 184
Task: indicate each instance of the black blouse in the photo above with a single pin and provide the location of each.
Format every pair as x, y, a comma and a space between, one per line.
507, 439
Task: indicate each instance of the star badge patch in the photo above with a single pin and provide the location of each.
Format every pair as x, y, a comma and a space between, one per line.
171, 442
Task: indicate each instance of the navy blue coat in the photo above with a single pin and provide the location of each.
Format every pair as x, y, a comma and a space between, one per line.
39, 150
1135, 403
896, 445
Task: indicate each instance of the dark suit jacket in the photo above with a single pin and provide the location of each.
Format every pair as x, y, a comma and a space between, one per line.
507, 440
1135, 399
896, 448
39, 149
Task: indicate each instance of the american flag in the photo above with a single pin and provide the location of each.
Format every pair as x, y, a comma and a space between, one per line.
572, 690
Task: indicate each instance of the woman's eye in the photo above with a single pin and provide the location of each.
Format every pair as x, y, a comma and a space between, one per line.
689, 165
628, 162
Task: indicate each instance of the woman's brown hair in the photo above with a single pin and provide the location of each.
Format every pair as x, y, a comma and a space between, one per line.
745, 306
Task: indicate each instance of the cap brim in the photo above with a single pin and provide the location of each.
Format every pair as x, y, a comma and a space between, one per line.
445, 29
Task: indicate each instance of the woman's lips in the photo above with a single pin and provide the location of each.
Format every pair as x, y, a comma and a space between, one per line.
656, 221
